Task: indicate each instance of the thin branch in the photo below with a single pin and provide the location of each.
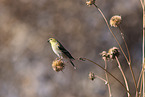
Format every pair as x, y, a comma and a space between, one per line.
125, 80
109, 89
83, 59
119, 46
122, 35
138, 83
101, 78
141, 3
140, 76
143, 50
141, 85
111, 31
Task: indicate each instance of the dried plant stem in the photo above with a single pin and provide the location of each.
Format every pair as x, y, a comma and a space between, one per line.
83, 59
109, 89
101, 78
125, 80
141, 3
122, 35
140, 89
139, 83
119, 46
111, 31
140, 76
143, 63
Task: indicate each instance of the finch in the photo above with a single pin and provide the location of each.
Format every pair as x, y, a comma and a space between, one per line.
60, 51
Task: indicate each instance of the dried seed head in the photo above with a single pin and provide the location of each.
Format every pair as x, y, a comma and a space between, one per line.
104, 55
91, 76
58, 65
113, 52
115, 21
90, 2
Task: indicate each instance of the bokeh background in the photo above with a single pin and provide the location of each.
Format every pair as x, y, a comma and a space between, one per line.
26, 56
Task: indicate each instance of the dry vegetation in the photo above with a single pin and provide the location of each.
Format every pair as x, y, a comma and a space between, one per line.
26, 57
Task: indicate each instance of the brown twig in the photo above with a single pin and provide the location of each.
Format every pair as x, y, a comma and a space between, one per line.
109, 89
119, 46
139, 83
143, 61
141, 3
125, 80
101, 78
83, 59
111, 31
122, 35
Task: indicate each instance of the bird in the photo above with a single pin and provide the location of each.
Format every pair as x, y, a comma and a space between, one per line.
60, 51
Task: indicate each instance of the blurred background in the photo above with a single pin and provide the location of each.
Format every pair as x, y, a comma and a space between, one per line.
26, 56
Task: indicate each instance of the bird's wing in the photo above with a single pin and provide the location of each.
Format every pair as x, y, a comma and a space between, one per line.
65, 51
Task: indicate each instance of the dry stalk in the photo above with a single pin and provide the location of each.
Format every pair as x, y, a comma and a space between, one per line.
109, 88
101, 78
143, 57
122, 35
125, 80
139, 83
83, 59
141, 3
119, 45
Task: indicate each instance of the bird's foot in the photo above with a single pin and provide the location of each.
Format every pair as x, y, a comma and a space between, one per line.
59, 58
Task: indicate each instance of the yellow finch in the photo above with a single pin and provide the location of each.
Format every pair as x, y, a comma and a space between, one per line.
60, 51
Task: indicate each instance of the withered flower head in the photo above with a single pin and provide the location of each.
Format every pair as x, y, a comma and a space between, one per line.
90, 2
91, 76
104, 55
115, 21
113, 52
58, 65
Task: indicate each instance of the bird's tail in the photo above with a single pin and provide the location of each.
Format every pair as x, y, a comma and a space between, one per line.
72, 64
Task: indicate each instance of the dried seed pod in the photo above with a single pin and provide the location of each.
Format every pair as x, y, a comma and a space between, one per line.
115, 21
58, 65
104, 55
90, 2
91, 76
113, 52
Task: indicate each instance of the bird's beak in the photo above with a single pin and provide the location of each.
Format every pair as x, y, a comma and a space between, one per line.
48, 40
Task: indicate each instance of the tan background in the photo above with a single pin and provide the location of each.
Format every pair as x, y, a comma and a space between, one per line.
26, 57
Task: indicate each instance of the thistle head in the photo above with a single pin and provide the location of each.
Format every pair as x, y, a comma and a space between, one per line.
58, 65
90, 2
104, 55
91, 76
115, 21
113, 52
